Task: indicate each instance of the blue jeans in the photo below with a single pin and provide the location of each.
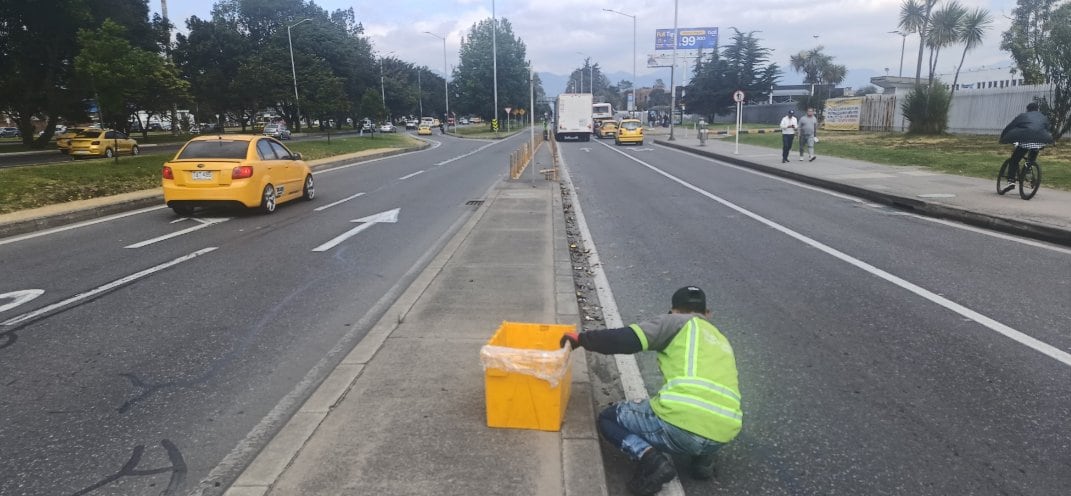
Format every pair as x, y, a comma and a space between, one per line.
633, 428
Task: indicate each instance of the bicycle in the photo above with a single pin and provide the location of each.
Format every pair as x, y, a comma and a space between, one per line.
1029, 177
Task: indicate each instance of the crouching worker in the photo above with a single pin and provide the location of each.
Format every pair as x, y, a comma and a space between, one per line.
696, 412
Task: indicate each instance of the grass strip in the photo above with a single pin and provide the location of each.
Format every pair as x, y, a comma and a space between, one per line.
974, 156
46, 184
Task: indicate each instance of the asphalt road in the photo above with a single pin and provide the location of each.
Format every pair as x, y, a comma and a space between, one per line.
153, 357
859, 373
53, 155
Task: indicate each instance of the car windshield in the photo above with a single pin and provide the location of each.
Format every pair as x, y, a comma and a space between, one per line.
89, 133
217, 148
630, 125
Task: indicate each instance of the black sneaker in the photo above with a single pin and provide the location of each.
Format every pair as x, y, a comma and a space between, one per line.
654, 470
703, 466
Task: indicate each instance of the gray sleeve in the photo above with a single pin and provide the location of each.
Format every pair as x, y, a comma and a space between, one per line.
659, 331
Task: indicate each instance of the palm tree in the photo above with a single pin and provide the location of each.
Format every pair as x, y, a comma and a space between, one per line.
944, 30
972, 30
915, 18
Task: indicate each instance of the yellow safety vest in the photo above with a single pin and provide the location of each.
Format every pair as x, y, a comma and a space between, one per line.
701, 394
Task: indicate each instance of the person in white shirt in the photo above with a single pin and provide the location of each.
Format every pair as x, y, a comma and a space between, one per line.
788, 134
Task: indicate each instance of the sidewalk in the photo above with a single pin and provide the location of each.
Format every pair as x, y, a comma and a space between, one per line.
404, 412
969, 200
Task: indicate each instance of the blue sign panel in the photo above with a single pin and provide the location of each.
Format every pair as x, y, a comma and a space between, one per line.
687, 39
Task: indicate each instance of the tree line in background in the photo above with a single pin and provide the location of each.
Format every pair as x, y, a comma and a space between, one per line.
61, 60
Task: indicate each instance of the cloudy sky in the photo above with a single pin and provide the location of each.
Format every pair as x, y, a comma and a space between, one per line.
854, 32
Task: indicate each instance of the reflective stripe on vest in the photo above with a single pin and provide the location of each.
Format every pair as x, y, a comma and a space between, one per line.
701, 393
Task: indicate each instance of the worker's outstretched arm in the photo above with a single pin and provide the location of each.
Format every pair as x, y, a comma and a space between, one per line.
622, 340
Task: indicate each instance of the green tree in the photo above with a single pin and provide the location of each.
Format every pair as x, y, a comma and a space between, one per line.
915, 18
123, 77
818, 70
926, 109
372, 105
473, 78
973, 27
1039, 40
945, 28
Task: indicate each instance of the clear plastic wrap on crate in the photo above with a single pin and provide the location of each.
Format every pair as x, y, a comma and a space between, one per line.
550, 366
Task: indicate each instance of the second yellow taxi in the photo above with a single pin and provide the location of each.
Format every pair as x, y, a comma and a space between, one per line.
424, 130
608, 129
96, 142
629, 131
251, 171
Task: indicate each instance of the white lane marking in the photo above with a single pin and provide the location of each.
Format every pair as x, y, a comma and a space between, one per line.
957, 225
390, 216
116, 283
459, 157
203, 224
407, 176
180, 219
435, 144
628, 370
79, 224
1020, 337
329, 205
19, 297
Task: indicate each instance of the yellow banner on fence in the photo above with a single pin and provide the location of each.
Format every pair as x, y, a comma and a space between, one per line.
842, 114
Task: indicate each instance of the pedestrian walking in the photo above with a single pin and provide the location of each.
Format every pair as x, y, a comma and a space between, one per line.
788, 133
808, 130
695, 413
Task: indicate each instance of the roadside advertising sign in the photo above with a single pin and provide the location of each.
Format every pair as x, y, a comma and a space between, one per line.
687, 39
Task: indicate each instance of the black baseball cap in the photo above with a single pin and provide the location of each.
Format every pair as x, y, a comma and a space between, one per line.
690, 299
791, 112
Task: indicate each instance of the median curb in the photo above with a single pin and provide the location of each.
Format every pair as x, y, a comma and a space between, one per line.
1007, 225
61, 214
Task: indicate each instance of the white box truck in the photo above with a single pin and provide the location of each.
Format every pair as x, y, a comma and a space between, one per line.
572, 114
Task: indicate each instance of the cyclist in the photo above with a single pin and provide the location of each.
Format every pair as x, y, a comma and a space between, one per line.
1029, 131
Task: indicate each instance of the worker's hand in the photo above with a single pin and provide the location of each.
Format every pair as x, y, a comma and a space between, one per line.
571, 338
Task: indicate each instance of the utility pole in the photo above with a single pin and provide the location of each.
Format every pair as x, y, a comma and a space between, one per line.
494, 57
672, 71
174, 108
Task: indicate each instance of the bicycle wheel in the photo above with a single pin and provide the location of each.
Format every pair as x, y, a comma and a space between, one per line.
1029, 180
1002, 184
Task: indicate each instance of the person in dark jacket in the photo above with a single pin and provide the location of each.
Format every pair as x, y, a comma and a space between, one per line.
1029, 131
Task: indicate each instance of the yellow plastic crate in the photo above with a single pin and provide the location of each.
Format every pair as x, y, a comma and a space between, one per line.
516, 397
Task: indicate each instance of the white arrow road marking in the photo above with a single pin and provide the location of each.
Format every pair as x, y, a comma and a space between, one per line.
329, 205
586, 149
180, 219
116, 283
390, 216
407, 176
204, 223
19, 297
644, 149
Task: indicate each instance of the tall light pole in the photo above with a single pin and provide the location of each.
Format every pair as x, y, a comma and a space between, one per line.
293, 71
494, 58
591, 73
420, 91
634, 101
672, 71
446, 85
903, 42
382, 87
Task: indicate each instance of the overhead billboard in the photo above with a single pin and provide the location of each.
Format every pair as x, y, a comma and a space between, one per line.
687, 39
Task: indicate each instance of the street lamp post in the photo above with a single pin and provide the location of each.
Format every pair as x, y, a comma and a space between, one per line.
634, 101
494, 58
293, 71
903, 42
446, 85
672, 78
382, 87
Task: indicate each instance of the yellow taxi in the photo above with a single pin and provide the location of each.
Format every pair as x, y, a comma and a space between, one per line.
629, 131
251, 171
607, 129
95, 142
63, 140
424, 130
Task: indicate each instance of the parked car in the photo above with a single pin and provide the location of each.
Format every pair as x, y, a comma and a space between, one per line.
424, 130
411, 124
248, 170
9, 132
464, 121
277, 131
155, 126
629, 131
386, 127
96, 142
475, 120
